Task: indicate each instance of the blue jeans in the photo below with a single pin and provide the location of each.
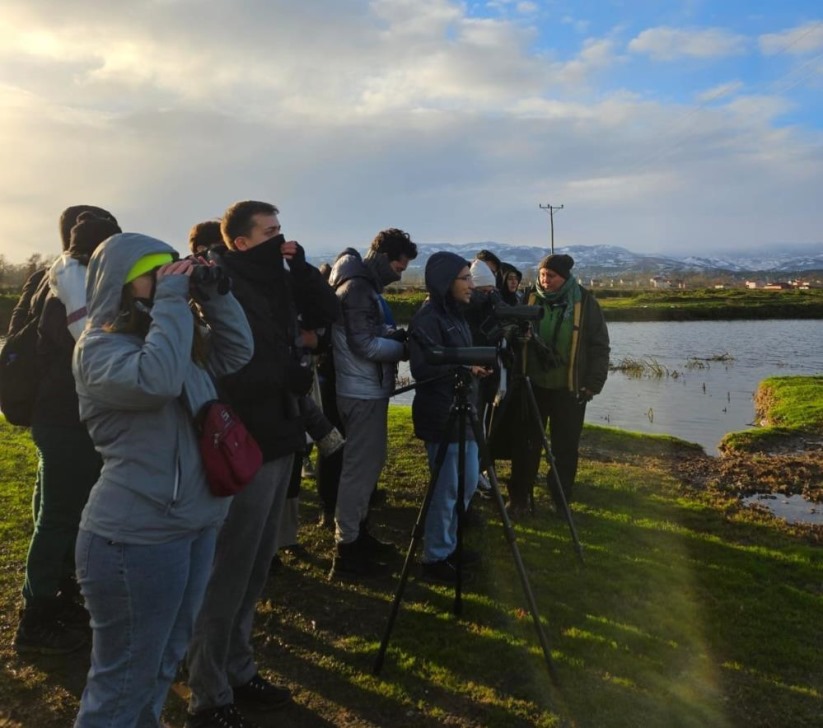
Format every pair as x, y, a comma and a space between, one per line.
143, 600
440, 534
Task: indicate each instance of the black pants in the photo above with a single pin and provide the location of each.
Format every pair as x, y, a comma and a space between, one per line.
328, 468
565, 416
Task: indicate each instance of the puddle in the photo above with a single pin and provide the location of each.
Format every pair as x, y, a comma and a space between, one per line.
791, 508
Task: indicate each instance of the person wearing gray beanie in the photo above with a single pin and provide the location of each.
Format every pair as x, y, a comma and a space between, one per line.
482, 275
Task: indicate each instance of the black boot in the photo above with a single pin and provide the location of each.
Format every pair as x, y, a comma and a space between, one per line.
41, 631
350, 561
373, 548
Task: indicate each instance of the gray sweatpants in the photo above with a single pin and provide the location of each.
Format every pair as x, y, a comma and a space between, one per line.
220, 653
366, 426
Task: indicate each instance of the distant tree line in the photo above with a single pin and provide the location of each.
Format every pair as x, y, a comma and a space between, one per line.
14, 275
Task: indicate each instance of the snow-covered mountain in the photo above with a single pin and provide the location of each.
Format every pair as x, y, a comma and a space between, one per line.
609, 260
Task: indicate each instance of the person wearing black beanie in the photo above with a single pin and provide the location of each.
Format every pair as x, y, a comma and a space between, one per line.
89, 231
567, 362
53, 620
70, 216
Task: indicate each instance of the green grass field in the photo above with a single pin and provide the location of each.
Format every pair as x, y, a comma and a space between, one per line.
689, 611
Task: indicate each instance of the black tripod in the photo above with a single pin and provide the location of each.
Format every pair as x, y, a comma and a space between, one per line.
462, 414
521, 392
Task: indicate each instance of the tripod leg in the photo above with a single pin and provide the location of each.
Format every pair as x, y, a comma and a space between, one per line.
561, 495
461, 508
417, 535
486, 460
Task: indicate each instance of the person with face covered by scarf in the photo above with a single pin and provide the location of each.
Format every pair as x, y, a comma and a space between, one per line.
567, 363
367, 347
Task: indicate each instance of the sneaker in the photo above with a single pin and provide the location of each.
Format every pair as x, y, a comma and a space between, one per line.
41, 635
226, 716
442, 572
261, 694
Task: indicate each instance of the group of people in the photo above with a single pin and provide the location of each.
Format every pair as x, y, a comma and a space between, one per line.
128, 536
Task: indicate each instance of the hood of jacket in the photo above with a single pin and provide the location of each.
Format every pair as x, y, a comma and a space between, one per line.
108, 269
441, 269
349, 264
374, 267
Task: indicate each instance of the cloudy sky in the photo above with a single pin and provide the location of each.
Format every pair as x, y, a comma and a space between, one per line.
668, 126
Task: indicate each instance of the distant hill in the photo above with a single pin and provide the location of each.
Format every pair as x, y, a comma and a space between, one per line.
612, 260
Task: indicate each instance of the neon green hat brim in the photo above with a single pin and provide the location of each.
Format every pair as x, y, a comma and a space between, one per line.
147, 264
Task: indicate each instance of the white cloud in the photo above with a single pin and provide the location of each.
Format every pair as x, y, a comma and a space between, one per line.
721, 91
806, 38
386, 113
668, 44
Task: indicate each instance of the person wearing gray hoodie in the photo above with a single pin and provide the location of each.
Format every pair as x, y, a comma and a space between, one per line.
145, 546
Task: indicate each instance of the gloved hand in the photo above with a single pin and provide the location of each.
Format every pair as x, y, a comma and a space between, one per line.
400, 335
298, 378
584, 395
297, 259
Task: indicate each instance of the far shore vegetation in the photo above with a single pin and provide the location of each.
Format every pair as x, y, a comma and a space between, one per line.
706, 304
690, 610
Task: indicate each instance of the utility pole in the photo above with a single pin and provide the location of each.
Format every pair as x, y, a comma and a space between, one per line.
551, 209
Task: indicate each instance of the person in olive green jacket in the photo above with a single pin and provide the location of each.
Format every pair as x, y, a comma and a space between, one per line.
567, 362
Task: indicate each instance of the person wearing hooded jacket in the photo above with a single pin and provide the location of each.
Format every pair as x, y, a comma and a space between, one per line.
53, 620
440, 321
143, 369
366, 349
567, 363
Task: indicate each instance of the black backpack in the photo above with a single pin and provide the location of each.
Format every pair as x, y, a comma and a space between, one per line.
19, 377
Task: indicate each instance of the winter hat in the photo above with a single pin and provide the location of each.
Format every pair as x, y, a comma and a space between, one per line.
69, 217
560, 264
481, 274
88, 233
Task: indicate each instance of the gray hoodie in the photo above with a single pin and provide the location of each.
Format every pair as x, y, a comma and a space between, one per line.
137, 395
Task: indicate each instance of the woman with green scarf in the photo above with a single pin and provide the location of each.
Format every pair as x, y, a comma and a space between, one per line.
567, 362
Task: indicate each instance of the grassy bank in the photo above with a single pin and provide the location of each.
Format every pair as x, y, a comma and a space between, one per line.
788, 409
696, 305
689, 611
7, 303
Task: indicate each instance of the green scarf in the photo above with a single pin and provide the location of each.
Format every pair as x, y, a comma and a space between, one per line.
555, 331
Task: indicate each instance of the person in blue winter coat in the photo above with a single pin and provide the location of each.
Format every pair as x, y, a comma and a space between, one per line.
143, 366
440, 321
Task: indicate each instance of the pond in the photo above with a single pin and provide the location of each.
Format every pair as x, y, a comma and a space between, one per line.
695, 396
